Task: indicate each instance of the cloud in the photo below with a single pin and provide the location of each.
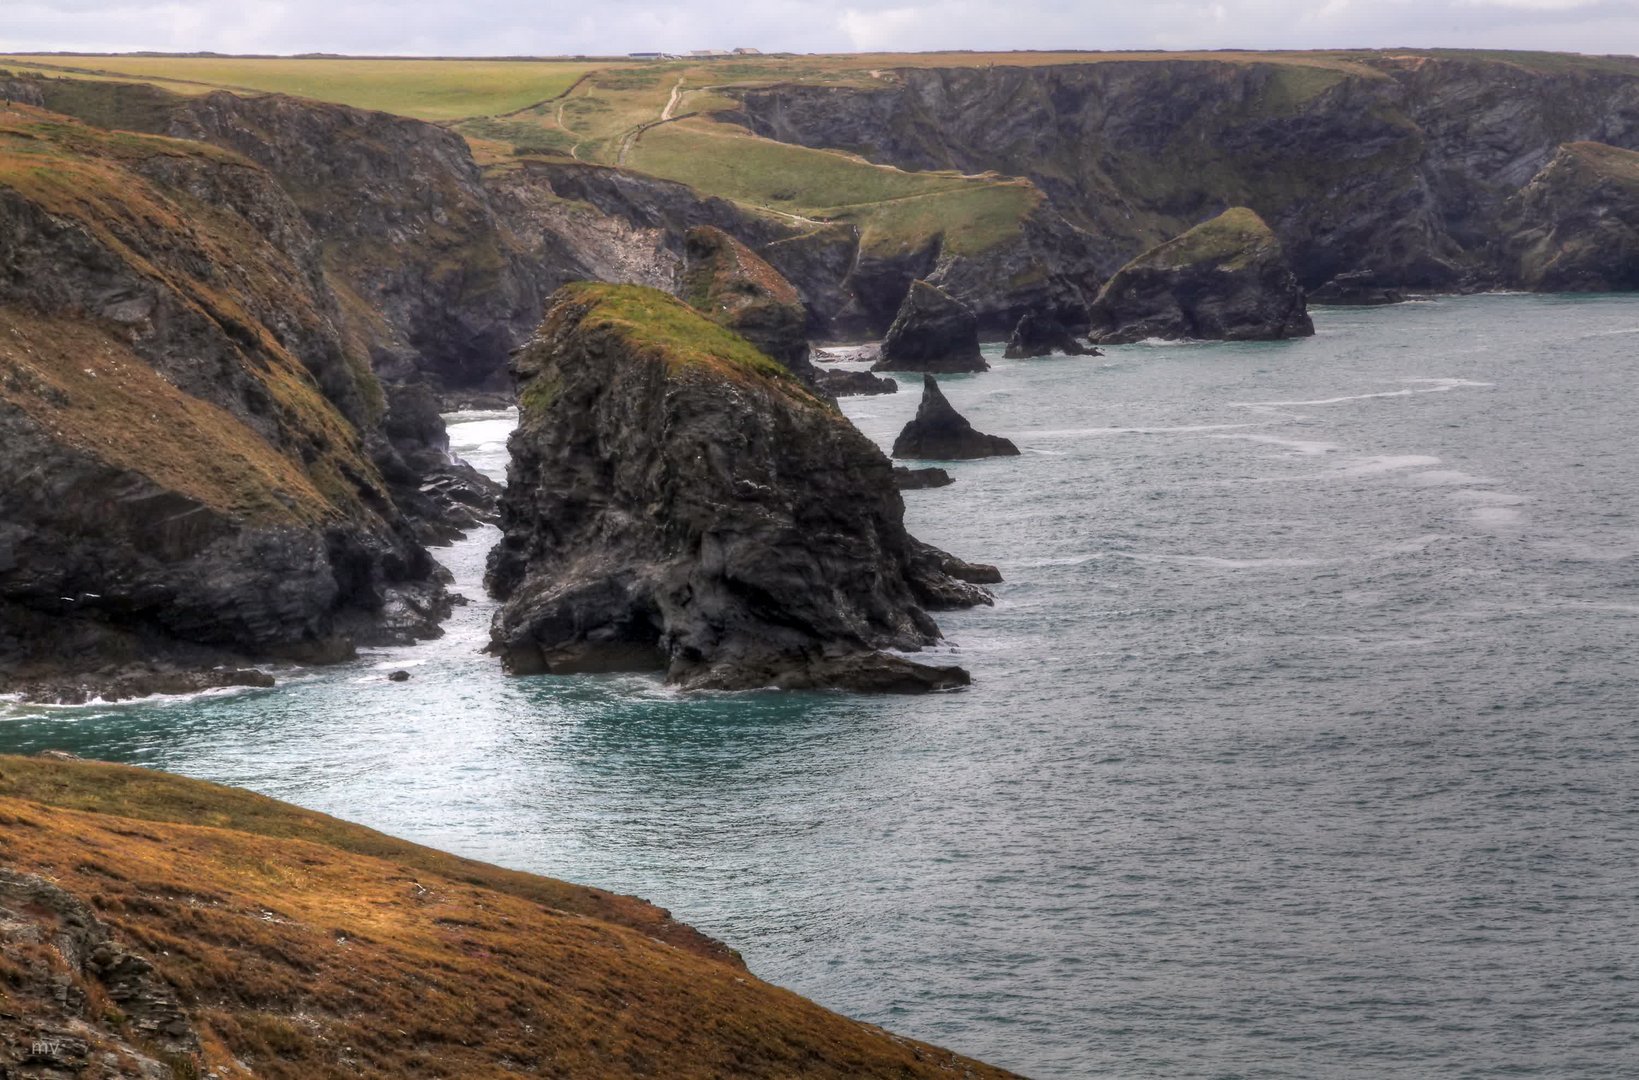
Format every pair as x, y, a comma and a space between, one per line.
514, 27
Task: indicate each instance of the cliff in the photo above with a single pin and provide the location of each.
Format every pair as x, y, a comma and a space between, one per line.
191, 434
728, 283
1226, 279
1398, 163
154, 926
679, 502
1578, 222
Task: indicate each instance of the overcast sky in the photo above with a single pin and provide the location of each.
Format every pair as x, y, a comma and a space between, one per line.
515, 27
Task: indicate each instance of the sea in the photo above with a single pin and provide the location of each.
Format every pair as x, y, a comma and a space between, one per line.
1303, 738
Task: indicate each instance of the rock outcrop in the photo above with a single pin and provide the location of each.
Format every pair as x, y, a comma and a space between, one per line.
1039, 334
933, 332
678, 502
939, 433
915, 479
1224, 280
1356, 288
189, 474
732, 286
138, 942
1578, 222
851, 383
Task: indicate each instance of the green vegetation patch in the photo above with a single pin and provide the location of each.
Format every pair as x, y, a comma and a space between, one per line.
1228, 240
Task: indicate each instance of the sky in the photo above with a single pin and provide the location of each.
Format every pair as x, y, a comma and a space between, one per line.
533, 27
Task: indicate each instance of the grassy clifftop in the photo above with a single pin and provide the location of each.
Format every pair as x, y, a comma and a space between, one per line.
1227, 241
303, 947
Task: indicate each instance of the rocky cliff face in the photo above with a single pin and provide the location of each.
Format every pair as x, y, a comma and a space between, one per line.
189, 430
728, 283
1401, 165
933, 331
1226, 279
137, 943
1578, 222
679, 502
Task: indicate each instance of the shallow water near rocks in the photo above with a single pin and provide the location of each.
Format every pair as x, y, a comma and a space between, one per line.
1301, 743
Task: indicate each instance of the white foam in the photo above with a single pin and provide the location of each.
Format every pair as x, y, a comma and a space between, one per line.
1306, 447
1422, 386
1495, 515
1218, 562
1374, 466
1447, 478
1490, 498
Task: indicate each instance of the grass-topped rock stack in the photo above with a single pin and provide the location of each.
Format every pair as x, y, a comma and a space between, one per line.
156, 926
1226, 279
934, 332
680, 502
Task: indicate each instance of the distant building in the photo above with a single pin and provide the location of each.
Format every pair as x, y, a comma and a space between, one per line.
645, 55
710, 54
748, 52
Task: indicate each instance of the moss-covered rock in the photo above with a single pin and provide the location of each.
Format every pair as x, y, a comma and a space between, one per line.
735, 288
1226, 279
681, 503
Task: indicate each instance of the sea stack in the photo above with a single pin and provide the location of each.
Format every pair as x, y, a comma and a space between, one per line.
1227, 279
1039, 334
940, 433
731, 285
933, 331
679, 502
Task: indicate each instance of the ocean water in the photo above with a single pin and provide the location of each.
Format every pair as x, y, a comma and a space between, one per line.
1302, 740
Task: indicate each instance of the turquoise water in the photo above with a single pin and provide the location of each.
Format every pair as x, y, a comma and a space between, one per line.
1301, 743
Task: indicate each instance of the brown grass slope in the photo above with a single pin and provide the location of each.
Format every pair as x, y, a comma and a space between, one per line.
304, 947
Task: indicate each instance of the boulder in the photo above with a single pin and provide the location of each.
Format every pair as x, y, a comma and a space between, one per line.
1038, 334
1577, 222
732, 286
850, 383
934, 332
678, 502
911, 479
940, 433
1227, 279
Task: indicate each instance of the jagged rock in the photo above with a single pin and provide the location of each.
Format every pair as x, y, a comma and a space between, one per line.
726, 281
940, 433
932, 332
399, 676
1578, 222
1356, 288
1038, 334
678, 502
1226, 279
444, 496
850, 383
911, 479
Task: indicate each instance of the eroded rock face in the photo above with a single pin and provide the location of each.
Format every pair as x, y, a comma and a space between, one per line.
678, 502
1224, 280
189, 475
728, 283
932, 332
1578, 222
939, 433
1356, 288
1041, 334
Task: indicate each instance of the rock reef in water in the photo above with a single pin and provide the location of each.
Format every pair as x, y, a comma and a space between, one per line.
728, 283
913, 479
1356, 288
853, 383
679, 502
1578, 222
1038, 334
1224, 280
939, 433
934, 332
138, 944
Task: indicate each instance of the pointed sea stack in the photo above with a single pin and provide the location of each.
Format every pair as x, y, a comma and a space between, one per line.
1042, 335
1224, 280
934, 332
733, 287
940, 433
679, 502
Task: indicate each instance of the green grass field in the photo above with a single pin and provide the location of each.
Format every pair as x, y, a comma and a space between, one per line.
424, 89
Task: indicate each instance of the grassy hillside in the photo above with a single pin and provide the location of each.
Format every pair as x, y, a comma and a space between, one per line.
304, 947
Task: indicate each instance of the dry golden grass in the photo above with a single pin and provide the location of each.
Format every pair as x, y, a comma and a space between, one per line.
307, 948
